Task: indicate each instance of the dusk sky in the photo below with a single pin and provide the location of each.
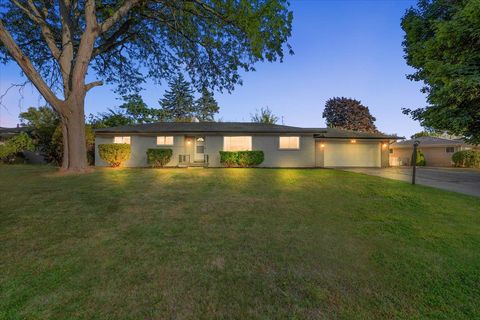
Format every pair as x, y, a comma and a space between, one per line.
342, 48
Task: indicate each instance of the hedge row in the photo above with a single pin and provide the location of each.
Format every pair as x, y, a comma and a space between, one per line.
241, 158
159, 157
466, 158
114, 153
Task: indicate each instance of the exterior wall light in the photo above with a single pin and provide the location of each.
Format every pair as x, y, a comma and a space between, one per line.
188, 141
353, 141
384, 145
322, 145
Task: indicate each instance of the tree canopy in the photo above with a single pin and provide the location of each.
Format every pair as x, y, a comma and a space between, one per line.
442, 43
56, 43
206, 106
348, 114
178, 102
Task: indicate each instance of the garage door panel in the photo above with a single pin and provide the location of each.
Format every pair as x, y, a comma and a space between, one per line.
352, 155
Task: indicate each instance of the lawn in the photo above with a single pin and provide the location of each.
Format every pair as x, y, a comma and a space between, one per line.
234, 243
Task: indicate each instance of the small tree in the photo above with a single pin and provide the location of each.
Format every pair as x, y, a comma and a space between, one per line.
264, 115
348, 114
206, 106
420, 159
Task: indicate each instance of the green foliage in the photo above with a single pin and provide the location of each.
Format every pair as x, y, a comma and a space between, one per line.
250, 158
441, 43
265, 115
466, 158
114, 153
206, 106
133, 111
15, 145
44, 125
46, 131
213, 41
241, 158
420, 158
159, 157
348, 114
429, 132
177, 103
228, 159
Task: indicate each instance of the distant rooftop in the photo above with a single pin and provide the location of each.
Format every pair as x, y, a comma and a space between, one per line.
430, 141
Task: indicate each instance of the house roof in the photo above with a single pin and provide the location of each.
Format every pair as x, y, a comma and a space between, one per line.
238, 127
335, 133
6, 132
429, 141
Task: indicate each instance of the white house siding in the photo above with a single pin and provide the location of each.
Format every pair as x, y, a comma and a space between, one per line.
139, 145
269, 144
275, 157
213, 146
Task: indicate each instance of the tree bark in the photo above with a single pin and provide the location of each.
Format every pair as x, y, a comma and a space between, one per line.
65, 157
73, 129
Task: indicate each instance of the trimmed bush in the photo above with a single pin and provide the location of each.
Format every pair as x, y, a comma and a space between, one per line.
250, 158
159, 157
466, 158
241, 158
420, 159
114, 153
228, 159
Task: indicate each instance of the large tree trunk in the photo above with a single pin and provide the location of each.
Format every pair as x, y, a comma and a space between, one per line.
73, 130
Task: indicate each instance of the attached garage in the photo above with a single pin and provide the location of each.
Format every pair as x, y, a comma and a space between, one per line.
351, 154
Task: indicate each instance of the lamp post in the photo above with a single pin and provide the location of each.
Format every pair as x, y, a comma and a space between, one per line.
414, 159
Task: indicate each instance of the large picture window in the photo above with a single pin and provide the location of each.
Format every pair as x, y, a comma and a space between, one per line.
121, 140
241, 143
291, 143
165, 141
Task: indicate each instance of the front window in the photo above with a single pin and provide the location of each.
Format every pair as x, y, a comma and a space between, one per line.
450, 149
165, 141
241, 143
121, 140
290, 143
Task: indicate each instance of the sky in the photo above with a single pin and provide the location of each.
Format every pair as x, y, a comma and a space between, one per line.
349, 48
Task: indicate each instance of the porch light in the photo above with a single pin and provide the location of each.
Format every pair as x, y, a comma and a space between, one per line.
353, 141
322, 145
384, 145
188, 141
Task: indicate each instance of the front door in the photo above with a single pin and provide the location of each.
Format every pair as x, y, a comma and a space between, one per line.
199, 149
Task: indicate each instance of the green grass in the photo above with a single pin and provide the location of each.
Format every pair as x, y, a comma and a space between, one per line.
234, 243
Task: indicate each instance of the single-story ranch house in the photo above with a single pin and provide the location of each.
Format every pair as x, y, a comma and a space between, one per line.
437, 151
200, 143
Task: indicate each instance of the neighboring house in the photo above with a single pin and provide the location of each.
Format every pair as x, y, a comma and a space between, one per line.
7, 133
437, 151
196, 143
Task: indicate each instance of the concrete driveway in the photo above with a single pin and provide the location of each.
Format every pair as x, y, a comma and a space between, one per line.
454, 179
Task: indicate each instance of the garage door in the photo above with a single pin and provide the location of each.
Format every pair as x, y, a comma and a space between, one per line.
347, 154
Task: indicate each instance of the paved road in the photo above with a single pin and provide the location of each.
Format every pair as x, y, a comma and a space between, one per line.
454, 179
